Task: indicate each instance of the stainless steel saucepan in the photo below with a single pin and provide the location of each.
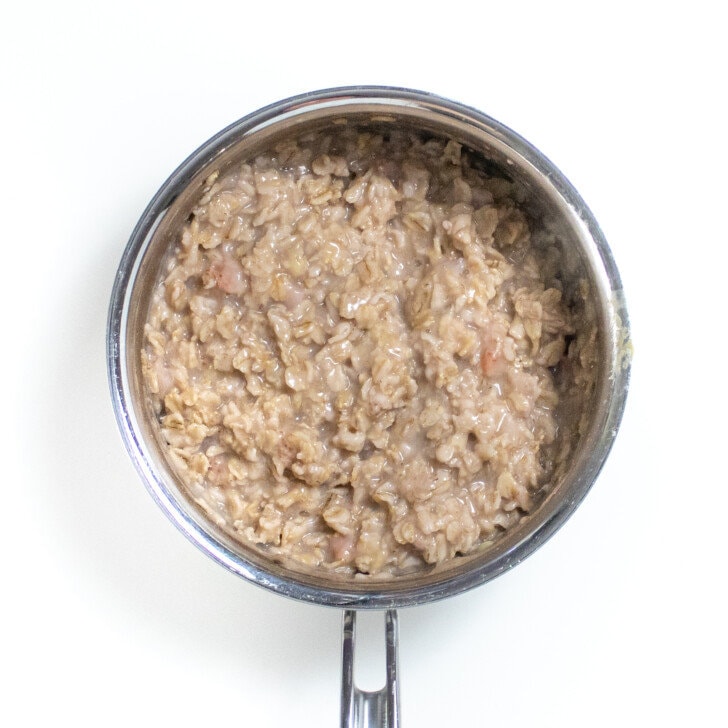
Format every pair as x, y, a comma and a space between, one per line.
587, 255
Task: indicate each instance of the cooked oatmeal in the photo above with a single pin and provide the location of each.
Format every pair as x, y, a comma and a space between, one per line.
357, 353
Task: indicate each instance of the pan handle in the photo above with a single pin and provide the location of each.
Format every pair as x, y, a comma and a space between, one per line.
370, 709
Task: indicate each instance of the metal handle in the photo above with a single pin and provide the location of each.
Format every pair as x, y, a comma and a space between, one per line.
370, 709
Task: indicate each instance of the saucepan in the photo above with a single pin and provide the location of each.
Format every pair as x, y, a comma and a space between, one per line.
587, 259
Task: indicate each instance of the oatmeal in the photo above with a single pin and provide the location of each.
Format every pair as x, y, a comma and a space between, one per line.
357, 354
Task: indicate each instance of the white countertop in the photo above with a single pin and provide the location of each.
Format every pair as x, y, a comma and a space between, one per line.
110, 617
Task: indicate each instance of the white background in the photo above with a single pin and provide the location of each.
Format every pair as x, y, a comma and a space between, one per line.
110, 618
